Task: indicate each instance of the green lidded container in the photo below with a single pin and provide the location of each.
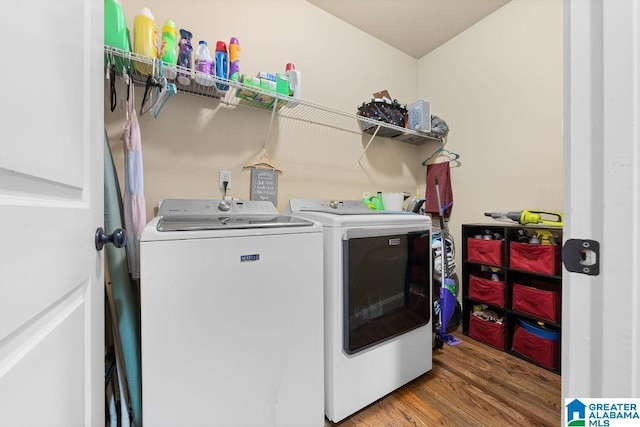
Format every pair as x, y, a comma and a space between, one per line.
116, 33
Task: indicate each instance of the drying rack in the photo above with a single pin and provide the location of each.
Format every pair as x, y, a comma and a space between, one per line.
282, 106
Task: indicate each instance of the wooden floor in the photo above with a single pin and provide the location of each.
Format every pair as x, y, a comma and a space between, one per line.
470, 385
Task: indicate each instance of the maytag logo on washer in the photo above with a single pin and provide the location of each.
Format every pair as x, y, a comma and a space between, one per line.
252, 257
394, 242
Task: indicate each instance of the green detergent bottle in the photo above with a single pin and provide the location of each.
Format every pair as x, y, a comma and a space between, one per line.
116, 33
169, 49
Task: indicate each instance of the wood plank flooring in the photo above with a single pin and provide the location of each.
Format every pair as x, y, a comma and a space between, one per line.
470, 385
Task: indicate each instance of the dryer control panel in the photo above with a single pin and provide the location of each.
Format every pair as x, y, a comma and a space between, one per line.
338, 207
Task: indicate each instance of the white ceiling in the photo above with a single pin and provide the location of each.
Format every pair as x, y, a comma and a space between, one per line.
415, 27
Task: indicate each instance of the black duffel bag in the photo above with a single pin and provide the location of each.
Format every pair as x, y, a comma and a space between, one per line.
383, 110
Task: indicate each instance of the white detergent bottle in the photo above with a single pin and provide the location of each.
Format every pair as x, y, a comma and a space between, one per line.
295, 82
203, 63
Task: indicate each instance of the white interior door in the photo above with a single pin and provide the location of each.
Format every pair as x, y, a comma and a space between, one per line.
601, 314
51, 198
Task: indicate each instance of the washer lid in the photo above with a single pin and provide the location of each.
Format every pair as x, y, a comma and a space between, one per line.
200, 207
193, 215
222, 222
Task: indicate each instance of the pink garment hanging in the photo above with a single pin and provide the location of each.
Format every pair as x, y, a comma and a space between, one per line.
135, 211
443, 172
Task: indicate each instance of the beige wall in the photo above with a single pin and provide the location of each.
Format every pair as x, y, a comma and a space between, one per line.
498, 86
341, 67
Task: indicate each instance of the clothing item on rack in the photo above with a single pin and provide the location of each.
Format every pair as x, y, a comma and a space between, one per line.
135, 211
443, 172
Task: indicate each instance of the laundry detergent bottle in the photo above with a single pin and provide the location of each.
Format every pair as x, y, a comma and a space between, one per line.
222, 64
184, 57
234, 60
169, 49
204, 64
145, 39
295, 82
116, 33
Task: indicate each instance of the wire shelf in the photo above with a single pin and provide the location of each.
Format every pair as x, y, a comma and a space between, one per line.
286, 107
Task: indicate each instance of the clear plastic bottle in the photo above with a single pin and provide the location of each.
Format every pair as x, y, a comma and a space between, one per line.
295, 82
169, 49
184, 57
222, 64
204, 64
145, 39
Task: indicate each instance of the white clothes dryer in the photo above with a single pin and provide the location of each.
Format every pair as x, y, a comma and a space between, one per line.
378, 300
231, 316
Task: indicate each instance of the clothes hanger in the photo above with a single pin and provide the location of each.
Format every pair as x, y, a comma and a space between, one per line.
167, 90
159, 83
453, 157
147, 98
129, 106
111, 76
263, 162
127, 80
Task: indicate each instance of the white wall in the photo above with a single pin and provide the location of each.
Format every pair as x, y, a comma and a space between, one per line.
341, 66
498, 86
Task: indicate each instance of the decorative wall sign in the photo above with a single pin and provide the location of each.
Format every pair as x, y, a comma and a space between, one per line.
264, 185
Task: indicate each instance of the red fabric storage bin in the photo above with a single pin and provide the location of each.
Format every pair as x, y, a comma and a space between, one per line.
487, 291
538, 258
488, 332
538, 302
541, 347
487, 252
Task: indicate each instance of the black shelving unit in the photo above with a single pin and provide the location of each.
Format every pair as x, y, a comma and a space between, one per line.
499, 294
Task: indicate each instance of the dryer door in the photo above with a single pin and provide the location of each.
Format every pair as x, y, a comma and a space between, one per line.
386, 285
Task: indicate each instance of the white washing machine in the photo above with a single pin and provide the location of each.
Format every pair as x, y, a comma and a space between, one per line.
231, 316
378, 302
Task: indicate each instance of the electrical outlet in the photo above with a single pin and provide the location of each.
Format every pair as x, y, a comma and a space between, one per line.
225, 176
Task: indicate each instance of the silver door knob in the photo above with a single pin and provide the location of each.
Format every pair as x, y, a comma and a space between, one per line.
118, 238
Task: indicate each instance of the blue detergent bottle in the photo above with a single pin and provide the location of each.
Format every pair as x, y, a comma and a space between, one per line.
222, 64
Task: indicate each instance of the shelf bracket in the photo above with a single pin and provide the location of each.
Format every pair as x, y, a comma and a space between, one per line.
369, 143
